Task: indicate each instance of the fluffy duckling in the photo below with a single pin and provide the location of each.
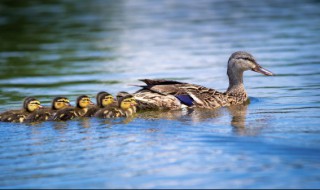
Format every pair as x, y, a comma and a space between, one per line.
82, 104
58, 103
30, 105
103, 99
126, 107
122, 94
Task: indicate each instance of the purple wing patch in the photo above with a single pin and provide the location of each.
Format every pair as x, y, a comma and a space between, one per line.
185, 99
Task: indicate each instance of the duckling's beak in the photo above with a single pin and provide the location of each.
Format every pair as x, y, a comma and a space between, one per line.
91, 103
40, 106
262, 70
133, 103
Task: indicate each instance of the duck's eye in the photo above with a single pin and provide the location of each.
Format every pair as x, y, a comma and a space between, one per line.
246, 58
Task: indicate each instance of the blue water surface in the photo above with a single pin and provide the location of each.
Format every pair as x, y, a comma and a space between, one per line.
62, 47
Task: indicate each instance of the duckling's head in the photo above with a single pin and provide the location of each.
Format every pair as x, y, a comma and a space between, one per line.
60, 102
121, 94
127, 102
104, 99
98, 97
83, 101
31, 104
241, 61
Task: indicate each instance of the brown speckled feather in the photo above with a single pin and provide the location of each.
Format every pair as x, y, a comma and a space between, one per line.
43, 114
161, 95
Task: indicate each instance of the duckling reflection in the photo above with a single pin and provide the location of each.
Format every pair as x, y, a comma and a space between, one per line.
85, 123
109, 122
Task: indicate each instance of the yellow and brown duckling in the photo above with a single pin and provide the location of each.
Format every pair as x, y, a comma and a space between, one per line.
30, 105
126, 107
82, 104
103, 99
44, 114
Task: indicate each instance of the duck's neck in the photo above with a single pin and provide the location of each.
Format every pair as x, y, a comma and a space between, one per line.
235, 81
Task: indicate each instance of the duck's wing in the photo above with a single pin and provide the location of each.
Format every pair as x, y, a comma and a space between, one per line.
110, 112
7, 113
187, 94
159, 82
40, 115
15, 117
204, 97
65, 114
160, 86
91, 111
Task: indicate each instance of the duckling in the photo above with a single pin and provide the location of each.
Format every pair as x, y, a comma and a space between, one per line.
126, 107
30, 104
82, 104
167, 94
103, 99
45, 114
121, 94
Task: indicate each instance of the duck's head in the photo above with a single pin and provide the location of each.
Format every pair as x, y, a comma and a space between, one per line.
127, 102
104, 99
241, 61
83, 101
60, 102
31, 104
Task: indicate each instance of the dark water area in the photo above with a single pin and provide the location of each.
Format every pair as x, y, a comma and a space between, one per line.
62, 47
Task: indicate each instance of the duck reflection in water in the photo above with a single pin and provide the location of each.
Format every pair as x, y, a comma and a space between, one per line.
237, 117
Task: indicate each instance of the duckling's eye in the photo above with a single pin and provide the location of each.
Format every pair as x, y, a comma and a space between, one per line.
37, 103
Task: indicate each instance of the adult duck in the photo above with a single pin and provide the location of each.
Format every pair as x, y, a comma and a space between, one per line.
167, 94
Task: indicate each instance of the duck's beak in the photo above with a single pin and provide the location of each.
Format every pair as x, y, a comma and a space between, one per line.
262, 70
91, 103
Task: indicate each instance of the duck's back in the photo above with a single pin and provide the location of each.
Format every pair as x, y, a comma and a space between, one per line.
16, 116
40, 115
173, 94
65, 114
110, 112
91, 111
